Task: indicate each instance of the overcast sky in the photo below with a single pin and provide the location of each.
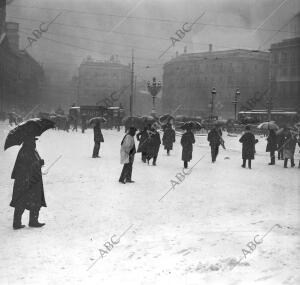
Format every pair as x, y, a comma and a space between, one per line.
100, 28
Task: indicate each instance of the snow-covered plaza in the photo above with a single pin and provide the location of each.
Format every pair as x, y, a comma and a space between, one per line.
193, 235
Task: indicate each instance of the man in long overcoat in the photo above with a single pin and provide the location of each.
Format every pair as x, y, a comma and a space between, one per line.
153, 145
143, 138
98, 139
248, 140
214, 137
187, 141
168, 138
289, 147
272, 146
127, 153
28, 190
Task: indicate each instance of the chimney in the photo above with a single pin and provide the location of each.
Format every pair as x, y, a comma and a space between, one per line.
210, 47
12, 32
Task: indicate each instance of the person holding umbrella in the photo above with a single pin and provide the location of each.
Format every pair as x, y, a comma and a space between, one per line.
272, 145
28, 190
127, 153
153, 144
215, 139
143, 138
248, 140
187, 141
168, 137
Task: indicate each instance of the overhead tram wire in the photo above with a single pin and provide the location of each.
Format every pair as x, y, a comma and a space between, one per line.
87, 49
130, 34
144, 18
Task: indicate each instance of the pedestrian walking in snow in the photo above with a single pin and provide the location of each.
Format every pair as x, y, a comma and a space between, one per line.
83, 123
289, 147
280, 142
187, 141
98, 139
215, 139
28, 190
168, 138
75, 123
248, 140
127, 156
143, 138
272, 145
153, 145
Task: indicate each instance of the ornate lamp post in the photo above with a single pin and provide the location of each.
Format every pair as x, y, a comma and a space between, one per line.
235, 101
153, 89
213, 94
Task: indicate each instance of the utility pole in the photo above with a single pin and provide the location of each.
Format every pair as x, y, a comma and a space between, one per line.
270, 96
132, 86
134, 94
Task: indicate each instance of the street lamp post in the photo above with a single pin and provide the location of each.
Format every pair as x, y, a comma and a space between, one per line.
153, 89
237, 94
213, 93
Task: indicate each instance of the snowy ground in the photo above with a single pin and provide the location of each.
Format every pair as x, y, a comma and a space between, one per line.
193, 236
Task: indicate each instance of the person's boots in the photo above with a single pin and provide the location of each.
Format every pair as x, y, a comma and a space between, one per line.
272, 160
154, 161
285, 163
292, 163
249, 163
17, 223
244, 163
168, 152
185, 164
33, 219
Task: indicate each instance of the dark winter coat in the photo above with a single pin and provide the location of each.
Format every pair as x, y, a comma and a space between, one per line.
248, 140
272, 142
280, 140
214, 137
143, 138
28, 190
153, 144
98, 137
168, 138
187, 141
289, 146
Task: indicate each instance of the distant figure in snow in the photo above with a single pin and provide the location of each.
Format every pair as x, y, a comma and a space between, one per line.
168, 138
215, 139
248, 140
153, 144
289, 148
98, 139
187, 141
127, 156
280, 142
83, 123
28, 191
143, 138
272, 146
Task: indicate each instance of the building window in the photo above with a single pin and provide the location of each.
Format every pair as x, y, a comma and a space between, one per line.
283, 57
283, 72
275, 58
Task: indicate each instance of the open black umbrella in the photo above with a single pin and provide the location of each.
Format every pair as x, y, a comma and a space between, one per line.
132, 122
191, 125
166, 118
96, 120
30, 128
